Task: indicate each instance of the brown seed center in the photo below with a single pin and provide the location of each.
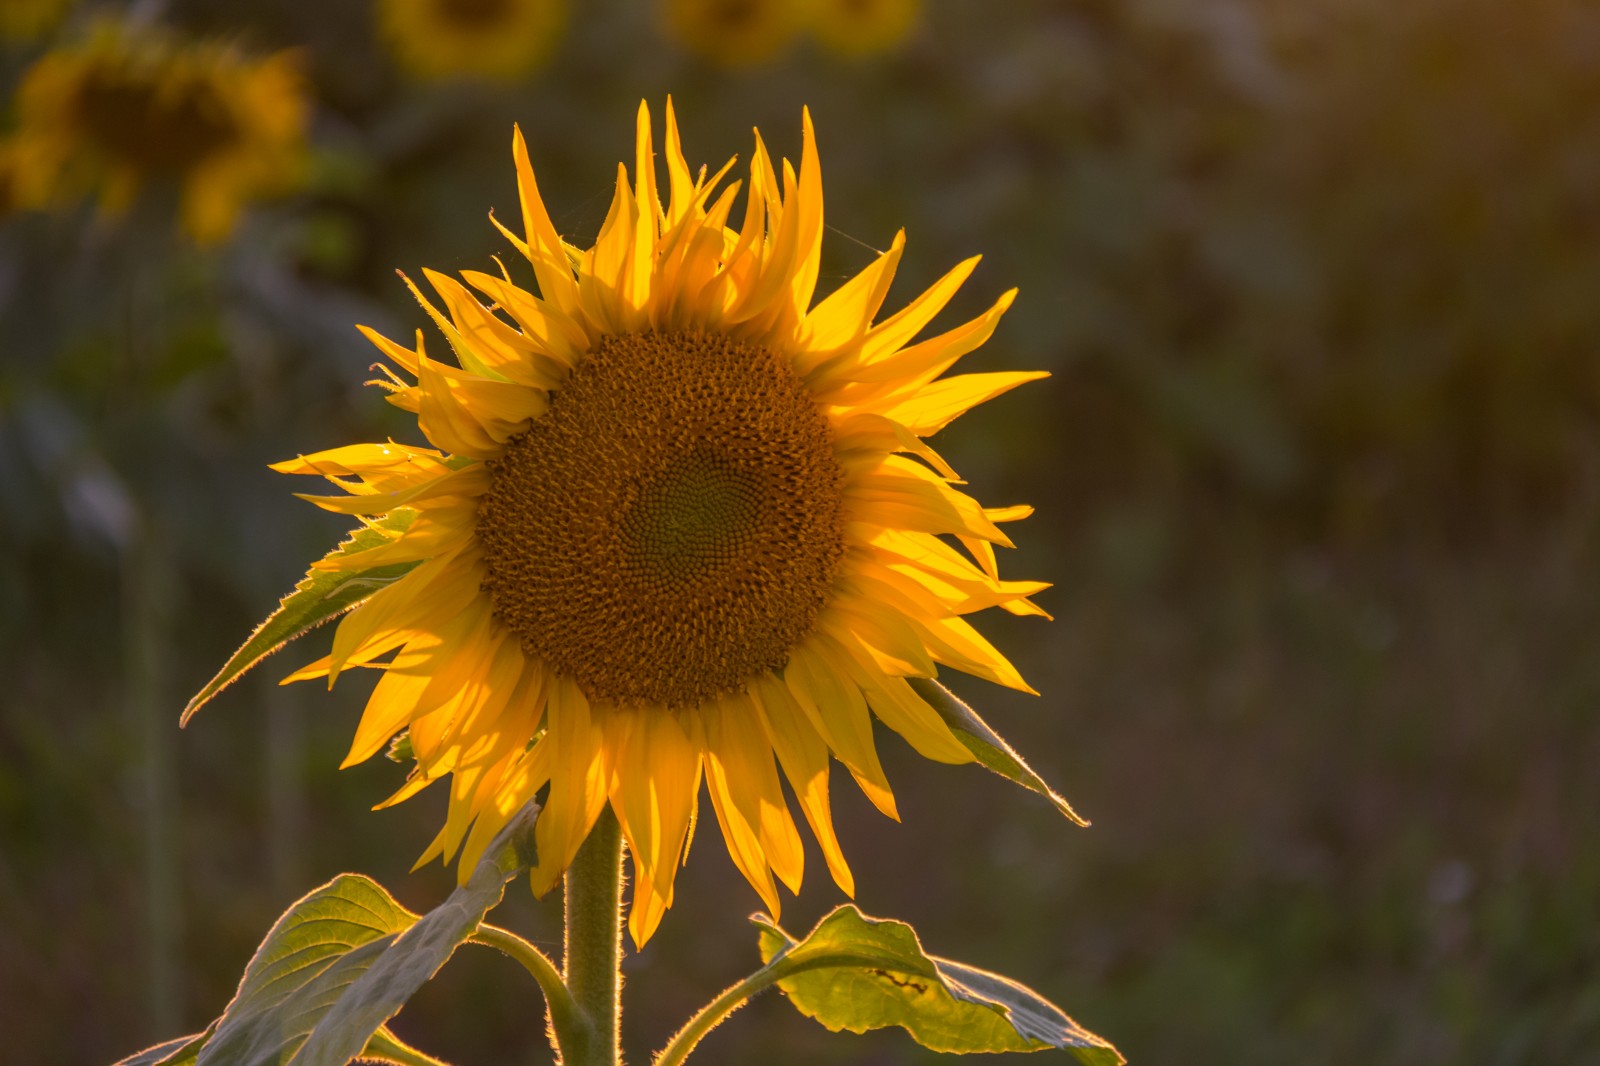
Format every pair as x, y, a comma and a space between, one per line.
158, 128
670, 528
474, 14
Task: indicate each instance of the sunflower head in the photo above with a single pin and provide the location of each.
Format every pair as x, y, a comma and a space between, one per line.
734, 33
29, 20
678, 524
129, 106
863, 27
8, 178
500, 40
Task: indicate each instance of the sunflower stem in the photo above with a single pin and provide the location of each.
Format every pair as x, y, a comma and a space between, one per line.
712, 1015
594, 944
566, 1021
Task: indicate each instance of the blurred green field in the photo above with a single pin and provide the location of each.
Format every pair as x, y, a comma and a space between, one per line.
1317, 477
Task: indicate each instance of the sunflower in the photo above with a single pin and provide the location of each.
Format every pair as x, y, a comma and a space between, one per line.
734, 32
496, 39
28, 20
8, 178
862, 27
133, 105
676, 521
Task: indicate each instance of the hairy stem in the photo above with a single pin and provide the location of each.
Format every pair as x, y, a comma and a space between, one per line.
566, 1022
733, 997
711, 1015
594, 945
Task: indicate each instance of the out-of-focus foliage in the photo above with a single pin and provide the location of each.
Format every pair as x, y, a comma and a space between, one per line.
1317, 475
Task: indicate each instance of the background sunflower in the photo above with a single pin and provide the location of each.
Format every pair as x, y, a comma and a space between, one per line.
736, 33
1314, 474
28, 20
132, 106
496, 39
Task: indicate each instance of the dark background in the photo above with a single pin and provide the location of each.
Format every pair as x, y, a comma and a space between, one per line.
1317, 477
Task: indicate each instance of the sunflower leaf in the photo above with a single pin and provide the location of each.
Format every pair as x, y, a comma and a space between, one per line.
318, 597
987, 746
179, 1052
383, 1047
340, 963
858, 973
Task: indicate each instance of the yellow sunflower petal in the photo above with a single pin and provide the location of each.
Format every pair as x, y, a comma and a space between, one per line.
544, 249
941, 403
736, 801
891, 335
838, 712
648, 907
803, 755
847, 313
555, 341
654, 775
577, 782
496, 349
512, 789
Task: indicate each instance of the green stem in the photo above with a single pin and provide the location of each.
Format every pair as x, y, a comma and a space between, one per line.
148, 586
732, 998
711, 1015
566, 1023
594, 944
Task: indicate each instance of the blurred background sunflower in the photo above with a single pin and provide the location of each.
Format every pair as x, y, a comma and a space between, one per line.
735, 33
131, 105
1316, 478
28, 20
495, 39
862, 27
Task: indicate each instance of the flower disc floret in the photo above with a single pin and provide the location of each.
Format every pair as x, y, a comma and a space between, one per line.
670, 528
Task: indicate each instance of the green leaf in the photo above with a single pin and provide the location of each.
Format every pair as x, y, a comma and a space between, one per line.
320, 595
179, 1052
987, 746
340, 963
858, 973
383, 1047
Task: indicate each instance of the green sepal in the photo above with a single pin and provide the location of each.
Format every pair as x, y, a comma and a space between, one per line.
987, 746
319, 596
340, 963
400, 749
858, 973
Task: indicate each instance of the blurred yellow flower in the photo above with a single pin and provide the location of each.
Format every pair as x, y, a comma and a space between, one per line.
129, 106
8, 181
28, 20
678, 520
734, 32
862, 27
496, 39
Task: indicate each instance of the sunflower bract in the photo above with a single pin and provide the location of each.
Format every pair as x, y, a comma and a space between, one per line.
677, 525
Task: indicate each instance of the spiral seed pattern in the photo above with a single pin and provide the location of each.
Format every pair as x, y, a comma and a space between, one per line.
670, 528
